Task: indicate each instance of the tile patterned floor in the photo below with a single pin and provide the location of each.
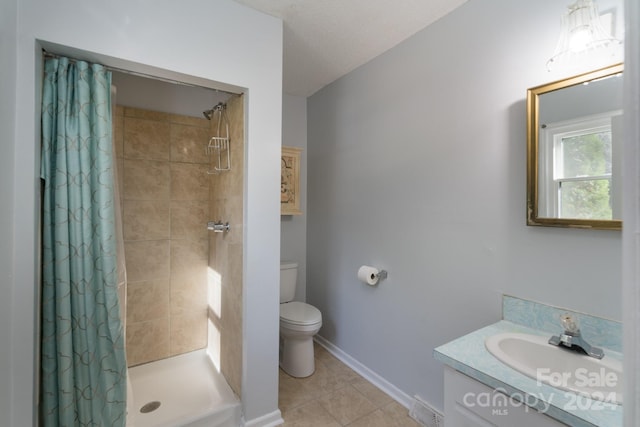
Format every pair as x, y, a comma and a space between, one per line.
337, 396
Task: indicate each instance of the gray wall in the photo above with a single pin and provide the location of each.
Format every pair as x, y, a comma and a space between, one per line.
417, 165
293, 231
8, 71
631, 214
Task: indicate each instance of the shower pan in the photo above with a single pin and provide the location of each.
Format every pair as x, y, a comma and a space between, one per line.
183, 390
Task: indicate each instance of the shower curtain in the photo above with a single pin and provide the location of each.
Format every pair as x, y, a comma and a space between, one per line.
83, 366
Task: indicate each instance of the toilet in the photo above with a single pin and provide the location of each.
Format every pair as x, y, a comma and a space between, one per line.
299, 322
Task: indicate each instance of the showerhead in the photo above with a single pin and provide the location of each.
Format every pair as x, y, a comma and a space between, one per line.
209, 113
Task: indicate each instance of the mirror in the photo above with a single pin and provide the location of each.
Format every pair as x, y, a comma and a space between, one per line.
574, 150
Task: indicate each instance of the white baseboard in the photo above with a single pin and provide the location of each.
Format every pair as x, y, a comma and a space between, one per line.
398, 395
270, 420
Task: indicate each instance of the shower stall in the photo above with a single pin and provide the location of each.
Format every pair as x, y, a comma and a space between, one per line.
178, 173
178, 204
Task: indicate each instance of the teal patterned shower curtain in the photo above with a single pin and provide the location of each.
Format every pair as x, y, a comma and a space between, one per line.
83, 366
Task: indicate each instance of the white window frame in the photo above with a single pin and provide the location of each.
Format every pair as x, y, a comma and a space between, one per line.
551, 135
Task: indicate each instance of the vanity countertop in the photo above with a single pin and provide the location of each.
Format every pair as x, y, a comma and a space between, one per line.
469, 355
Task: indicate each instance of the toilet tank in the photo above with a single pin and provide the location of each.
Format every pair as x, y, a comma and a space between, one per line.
288, 276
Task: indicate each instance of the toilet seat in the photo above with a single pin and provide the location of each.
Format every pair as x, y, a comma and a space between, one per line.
299, 313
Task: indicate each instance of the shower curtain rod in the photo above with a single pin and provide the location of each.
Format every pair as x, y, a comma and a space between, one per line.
138, 74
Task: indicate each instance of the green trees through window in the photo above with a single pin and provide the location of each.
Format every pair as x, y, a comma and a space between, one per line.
583, 175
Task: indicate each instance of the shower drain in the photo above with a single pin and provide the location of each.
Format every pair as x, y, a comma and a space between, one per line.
150, 407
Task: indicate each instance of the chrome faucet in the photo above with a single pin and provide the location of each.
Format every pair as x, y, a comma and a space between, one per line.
572, 338
218, 226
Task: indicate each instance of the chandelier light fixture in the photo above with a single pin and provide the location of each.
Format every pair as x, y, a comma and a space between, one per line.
582, 34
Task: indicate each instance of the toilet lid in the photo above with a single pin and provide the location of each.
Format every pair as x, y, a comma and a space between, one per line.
299, 313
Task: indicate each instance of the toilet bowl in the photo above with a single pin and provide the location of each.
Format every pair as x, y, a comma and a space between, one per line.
299, 322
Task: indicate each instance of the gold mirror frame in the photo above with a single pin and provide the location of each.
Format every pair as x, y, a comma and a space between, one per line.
533, 126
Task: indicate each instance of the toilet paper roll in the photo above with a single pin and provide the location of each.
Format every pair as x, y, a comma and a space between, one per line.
368, 275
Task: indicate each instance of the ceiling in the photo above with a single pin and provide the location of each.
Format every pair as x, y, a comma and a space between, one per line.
326, 39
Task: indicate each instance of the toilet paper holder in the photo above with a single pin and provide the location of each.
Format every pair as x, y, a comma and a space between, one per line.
382, 274
371, 275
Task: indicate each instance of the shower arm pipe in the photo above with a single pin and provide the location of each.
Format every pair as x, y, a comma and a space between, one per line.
220, 106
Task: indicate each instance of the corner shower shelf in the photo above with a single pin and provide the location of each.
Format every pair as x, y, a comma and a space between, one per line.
218, 145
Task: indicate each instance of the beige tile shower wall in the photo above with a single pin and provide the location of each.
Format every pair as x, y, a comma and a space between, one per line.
225, 257
165, 211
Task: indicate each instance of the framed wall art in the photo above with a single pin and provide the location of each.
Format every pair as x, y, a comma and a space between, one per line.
290, 181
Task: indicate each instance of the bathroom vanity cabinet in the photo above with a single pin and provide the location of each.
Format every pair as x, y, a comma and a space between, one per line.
469, 403
480, 390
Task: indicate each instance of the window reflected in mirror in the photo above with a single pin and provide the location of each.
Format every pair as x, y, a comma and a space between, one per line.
574, 151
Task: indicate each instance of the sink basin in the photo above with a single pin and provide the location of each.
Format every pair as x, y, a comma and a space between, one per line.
559, 367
